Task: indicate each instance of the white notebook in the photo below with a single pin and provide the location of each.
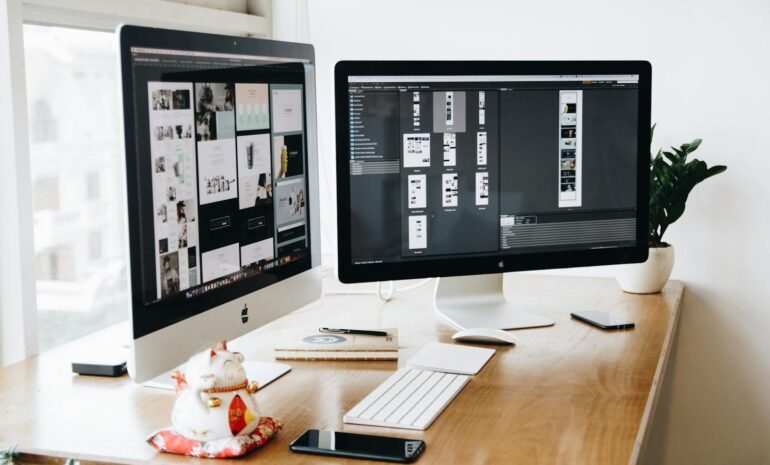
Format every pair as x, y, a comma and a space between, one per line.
451, 358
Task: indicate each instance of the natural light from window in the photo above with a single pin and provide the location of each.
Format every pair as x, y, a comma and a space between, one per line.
76, 157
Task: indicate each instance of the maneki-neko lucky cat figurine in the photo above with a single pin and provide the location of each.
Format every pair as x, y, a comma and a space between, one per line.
215, 400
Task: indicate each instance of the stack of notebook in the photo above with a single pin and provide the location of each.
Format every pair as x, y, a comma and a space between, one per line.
314, 345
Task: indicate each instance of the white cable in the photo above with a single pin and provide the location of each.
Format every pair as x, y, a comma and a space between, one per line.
389, 295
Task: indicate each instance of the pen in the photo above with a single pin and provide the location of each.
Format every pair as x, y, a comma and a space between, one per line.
363, 332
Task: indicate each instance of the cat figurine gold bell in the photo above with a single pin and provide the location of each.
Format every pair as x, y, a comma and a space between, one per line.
215, 400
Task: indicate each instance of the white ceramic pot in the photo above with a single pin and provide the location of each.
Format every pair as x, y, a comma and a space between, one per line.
648, 277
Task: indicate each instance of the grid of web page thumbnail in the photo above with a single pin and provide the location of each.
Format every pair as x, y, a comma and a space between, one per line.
451, 116
236, 152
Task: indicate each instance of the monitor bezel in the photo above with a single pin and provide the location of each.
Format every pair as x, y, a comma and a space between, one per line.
458, 266
176, 309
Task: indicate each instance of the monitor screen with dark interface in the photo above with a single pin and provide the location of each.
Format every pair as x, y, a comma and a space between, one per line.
452, 166
220, 175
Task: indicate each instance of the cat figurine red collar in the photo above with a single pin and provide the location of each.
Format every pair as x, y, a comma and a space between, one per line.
215, 400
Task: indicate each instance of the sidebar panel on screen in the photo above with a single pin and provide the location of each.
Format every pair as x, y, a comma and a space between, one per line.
375, 174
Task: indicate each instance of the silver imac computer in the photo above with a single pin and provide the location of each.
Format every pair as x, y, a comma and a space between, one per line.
221, 177
466, 170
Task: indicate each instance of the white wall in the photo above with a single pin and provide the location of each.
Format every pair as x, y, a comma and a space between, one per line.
711, 79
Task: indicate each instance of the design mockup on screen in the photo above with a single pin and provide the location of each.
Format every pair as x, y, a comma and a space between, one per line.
491, 165
226, 162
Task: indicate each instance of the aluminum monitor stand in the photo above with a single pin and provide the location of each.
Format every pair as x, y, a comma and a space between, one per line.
478, 302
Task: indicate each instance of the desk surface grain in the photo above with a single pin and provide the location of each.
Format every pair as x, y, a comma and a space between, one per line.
567, 394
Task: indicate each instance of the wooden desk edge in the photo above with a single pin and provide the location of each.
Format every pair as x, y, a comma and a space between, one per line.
676, 287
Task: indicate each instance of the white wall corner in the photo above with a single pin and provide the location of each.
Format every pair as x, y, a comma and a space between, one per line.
18, 310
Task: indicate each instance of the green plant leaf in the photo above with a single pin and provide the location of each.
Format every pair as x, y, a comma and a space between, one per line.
672, 179
671, 157
716, 169
675, 211
693, 146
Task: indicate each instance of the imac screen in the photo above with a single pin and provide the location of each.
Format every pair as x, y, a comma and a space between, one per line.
220, 175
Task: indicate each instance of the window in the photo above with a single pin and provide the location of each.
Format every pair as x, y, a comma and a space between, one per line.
95, 245
92, 186
75, 156
46, 194
72, 127
43, 126
55, 264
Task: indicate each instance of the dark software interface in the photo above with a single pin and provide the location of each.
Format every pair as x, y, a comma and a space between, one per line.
221, 164
490, 165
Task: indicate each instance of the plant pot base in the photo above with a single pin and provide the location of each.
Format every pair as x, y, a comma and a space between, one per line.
648, 277
627, 291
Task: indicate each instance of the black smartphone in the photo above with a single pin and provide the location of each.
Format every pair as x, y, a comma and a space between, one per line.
602, 320
360, 446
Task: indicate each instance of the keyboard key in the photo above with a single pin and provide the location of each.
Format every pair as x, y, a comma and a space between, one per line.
432, 412
402, 396
426, 401
407, 399
407, 406
378, 392
388, 395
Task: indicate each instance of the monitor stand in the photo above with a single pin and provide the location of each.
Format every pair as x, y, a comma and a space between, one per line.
478, 302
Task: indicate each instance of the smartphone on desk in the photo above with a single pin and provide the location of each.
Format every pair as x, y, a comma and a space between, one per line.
359, 446
602, 320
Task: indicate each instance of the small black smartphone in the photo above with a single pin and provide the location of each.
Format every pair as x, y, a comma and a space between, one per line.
602, 320
360, 446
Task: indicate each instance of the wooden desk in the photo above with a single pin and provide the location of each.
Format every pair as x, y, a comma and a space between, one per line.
568, 394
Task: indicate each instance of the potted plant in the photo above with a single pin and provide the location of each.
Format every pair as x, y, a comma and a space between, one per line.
672, 178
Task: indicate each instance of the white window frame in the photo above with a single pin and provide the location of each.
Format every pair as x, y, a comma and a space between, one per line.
18, 300
106, 15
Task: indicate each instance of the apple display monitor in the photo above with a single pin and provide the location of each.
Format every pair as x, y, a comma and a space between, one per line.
221, 188
466, 170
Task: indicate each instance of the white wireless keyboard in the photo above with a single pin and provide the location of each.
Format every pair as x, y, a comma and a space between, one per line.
409, 399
